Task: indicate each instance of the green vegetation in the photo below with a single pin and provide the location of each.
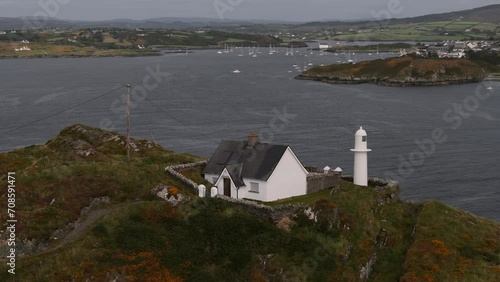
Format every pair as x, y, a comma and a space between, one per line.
392, 47
142, 238
428, 31
405, 71
57, 180
120, 42
476, 24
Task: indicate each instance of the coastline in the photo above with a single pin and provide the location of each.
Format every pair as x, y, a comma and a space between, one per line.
388, 82
66, 56
401, 72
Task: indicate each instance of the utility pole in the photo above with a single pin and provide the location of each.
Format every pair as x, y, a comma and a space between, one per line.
128, 122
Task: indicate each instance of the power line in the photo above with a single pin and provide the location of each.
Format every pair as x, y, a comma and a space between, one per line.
181, 122
100, 96
60, 112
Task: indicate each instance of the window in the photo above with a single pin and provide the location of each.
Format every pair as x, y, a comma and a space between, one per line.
364, 139
214, 179
254, 187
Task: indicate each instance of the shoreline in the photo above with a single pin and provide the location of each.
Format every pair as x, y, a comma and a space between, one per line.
80, 56
388, 83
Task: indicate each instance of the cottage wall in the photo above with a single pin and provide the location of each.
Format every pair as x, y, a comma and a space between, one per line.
244, 192
288, 179
210, 178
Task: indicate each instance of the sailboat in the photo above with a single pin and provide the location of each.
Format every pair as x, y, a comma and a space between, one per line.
271, 51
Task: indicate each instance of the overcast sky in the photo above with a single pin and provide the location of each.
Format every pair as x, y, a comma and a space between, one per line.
291, 10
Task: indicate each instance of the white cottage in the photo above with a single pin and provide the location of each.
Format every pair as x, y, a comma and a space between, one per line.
254, 170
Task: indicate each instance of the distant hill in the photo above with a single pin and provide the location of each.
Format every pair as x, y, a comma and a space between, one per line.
487, 14
163, 22
20, 23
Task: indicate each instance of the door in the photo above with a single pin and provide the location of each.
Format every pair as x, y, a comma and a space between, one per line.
227, 187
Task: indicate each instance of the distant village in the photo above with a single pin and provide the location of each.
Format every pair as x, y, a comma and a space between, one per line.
455, 49
445, 49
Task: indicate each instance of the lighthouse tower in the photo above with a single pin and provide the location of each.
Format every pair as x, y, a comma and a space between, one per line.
360, 158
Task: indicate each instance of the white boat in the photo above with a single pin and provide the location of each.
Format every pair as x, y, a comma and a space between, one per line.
236, 71
489, 88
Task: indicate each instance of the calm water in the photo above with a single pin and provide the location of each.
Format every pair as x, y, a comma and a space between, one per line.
318, 120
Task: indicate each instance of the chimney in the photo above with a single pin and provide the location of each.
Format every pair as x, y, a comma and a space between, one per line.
252, 140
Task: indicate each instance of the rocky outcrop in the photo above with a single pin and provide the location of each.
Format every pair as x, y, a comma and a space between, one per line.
394, 82
406, 71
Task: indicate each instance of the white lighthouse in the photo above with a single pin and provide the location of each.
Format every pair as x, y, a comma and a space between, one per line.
360, 158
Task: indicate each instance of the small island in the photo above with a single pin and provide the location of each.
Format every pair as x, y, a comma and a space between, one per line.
403, 71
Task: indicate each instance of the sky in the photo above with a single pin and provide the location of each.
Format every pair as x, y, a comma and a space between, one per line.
284, 10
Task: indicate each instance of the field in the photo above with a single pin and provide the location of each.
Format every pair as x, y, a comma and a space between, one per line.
430, 31
7, 50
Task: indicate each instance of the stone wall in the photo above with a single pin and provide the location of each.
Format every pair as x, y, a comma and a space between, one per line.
319, 181
273, 213
174, 172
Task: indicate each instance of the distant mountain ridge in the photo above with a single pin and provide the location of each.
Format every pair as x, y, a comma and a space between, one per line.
487, 14
163, 22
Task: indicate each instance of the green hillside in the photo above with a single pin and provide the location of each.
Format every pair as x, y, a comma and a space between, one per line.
404, 71
354, 234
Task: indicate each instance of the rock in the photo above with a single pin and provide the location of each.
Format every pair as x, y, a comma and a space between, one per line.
175, 200
285, 224
311, 214
366, 270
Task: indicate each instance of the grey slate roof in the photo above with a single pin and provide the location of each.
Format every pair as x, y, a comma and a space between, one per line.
257, 163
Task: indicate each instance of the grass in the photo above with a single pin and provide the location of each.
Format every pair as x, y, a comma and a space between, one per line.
430, 31
50, 50
235, 40
450, 243
55, 173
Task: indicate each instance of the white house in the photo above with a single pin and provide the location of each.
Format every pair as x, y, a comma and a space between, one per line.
253, 170
323, 46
